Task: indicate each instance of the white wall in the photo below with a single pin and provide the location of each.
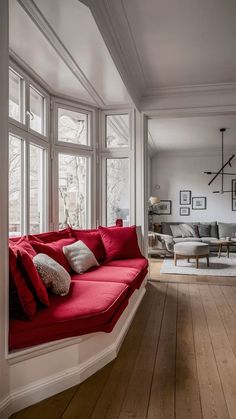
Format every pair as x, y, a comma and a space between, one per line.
175, 172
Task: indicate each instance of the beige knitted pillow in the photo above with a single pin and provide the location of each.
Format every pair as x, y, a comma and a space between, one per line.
53, 275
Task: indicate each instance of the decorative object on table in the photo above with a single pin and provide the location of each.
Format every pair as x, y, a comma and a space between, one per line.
153, 203
221, 171
184, 211
119, 222
185, 198
164, 208
198, 202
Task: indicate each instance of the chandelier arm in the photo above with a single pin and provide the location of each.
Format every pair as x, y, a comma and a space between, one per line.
222, 168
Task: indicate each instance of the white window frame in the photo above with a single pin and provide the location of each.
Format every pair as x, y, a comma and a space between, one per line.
118, 112
89, 151
25, 99
116, 153
27, 139
74, 108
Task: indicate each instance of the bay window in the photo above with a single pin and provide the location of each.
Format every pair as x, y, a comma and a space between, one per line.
28, 151
117, 168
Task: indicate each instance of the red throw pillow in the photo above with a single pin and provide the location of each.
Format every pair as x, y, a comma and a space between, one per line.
120, 243
25, 245
54, 250
52, 236
33, 279
22, 304
92, 239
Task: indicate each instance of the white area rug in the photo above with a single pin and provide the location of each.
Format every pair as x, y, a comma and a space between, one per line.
222, 266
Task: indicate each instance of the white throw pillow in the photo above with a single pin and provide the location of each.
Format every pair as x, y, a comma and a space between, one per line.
187, 230
80, 257
176, 231
53, 275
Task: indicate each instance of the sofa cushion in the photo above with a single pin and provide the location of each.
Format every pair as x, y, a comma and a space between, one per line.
54, 250
227, 230
209, 240
118, 274
176, 231
204, 230
138, 263
92, 239
120, 242
22, 304
33, 279
80, 257
53, 275
89, 307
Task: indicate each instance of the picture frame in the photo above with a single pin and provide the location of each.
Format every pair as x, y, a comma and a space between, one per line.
233, 189
185, 197
184, 211
199, 203
164, 207
233, 204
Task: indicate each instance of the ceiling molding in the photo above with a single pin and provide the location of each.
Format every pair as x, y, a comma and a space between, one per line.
114, 27
188, 90
216, 152
41, 22
15, 59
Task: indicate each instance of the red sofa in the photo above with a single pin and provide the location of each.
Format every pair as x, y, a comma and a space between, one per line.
96, 298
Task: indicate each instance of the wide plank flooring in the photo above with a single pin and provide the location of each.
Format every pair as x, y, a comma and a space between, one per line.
178, 361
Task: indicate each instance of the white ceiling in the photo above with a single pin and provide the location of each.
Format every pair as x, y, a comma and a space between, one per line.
184, 42
77, 32
191, 134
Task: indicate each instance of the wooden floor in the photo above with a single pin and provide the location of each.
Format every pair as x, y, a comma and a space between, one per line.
177, 361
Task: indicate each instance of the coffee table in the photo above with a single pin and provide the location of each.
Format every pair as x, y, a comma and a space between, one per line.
224, 243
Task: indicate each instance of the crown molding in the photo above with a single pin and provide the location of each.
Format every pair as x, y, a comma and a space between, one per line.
112, 21
43, 25
192, 153
190, 89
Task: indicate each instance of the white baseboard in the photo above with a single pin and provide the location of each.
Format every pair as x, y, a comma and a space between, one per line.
40, 389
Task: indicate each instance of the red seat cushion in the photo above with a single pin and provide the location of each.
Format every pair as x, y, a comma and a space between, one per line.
54, 250
89, 307
22, 304
33, 279
139, 263
120, 242
110, 274
92, 239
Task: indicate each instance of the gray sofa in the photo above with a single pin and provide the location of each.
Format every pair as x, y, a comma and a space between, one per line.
217, 230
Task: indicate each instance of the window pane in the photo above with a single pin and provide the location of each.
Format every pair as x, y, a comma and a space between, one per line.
15, 95
118, 191
36, 111
72, 127
73, 181
36, 189
117, 131
15, 186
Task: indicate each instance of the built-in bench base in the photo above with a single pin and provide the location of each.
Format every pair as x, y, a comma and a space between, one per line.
42, 371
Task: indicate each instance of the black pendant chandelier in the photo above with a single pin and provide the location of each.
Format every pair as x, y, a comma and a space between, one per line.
221, 172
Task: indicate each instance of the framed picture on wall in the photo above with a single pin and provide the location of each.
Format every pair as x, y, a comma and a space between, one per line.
185, 197
199, 202
233, 204
164, 208
233, 188
184, 211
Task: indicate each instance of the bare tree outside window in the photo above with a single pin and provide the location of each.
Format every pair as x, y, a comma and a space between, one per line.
72, 191
118, 190
15, 185
72, 127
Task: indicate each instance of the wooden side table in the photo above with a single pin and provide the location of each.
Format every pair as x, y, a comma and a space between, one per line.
224, 243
